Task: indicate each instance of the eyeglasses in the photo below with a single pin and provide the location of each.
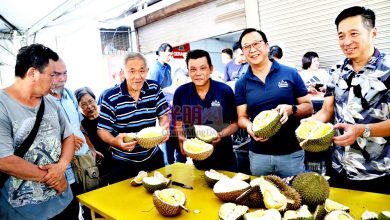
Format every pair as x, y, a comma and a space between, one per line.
257, 45
84, 105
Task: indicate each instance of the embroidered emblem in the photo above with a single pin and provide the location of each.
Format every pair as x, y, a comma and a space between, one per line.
282, 84
215, 103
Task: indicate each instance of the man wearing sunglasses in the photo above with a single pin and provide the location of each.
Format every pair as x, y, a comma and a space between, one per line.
358, 98
269, 85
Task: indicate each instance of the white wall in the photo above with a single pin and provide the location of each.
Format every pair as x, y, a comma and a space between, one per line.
80, 48
8, 51
214, 47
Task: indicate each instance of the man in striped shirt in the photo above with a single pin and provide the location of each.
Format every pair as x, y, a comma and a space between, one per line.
129, 107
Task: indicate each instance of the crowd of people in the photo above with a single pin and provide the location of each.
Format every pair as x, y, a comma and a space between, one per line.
354, 95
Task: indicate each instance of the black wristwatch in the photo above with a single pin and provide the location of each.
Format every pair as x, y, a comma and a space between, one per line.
294, 109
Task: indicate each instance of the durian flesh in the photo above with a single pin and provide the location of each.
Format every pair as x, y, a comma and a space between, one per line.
232, 211
272, 197
196, 146
270, 214
171, 197
331, 205
313, 129
264, 118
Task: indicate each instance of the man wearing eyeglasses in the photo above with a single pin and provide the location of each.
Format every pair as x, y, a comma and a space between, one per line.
358, 98
269, 85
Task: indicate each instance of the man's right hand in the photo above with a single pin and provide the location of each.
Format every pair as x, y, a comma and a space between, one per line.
252, 134
78, 142
120, 144
181, 140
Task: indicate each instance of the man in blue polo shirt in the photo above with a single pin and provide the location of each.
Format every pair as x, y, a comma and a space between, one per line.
270, 85
161, 70
208, 102
135, 104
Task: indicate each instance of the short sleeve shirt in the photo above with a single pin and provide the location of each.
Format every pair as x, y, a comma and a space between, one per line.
361, 98
283, 85
161, 73
120, 113
216, 110
16, 122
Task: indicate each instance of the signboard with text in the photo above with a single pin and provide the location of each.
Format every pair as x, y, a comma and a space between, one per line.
180, 50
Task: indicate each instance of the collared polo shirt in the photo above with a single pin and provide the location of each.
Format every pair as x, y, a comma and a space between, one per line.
161, 73
120, 113
362, 98
283, 85
217, 110
69, 107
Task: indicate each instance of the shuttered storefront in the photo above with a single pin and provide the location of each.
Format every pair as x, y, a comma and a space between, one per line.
301, 26
208, 20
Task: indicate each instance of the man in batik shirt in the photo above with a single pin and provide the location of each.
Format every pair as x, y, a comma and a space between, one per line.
358, 100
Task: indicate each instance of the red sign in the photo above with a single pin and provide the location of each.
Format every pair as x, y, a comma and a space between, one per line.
179, 51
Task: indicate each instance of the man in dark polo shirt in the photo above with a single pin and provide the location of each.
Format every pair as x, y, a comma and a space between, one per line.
208, 102
270, 85
135, 104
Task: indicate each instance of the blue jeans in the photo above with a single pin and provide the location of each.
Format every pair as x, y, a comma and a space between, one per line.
171, 151
281, 165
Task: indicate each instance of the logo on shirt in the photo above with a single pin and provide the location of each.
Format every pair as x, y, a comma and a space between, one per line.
215, 103
282, 84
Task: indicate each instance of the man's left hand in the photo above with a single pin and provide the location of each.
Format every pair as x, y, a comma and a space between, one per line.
216, 141
350, 135
54, 174
285, 111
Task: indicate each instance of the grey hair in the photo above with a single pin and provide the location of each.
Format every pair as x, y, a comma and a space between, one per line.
79, 93
135, 55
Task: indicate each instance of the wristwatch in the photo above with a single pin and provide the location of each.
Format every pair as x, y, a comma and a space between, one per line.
294, 109
366, 132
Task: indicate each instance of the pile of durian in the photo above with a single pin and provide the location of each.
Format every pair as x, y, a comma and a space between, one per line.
306, 199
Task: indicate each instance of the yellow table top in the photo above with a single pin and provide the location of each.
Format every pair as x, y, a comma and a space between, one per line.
123, 201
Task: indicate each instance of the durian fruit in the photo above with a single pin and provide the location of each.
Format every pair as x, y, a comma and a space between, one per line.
242, 176
151, 136
331, 205
302, 213
231, 211
212, 177
313, 188
384, 215
266, 123
261, 214
197, 149
136, 181
169, 202
290, 214
320, 212
273, 198
155, 182
228, 190
130, 137
315, 136
294, 199
251, 198
338, 215
205, 133
368, 215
